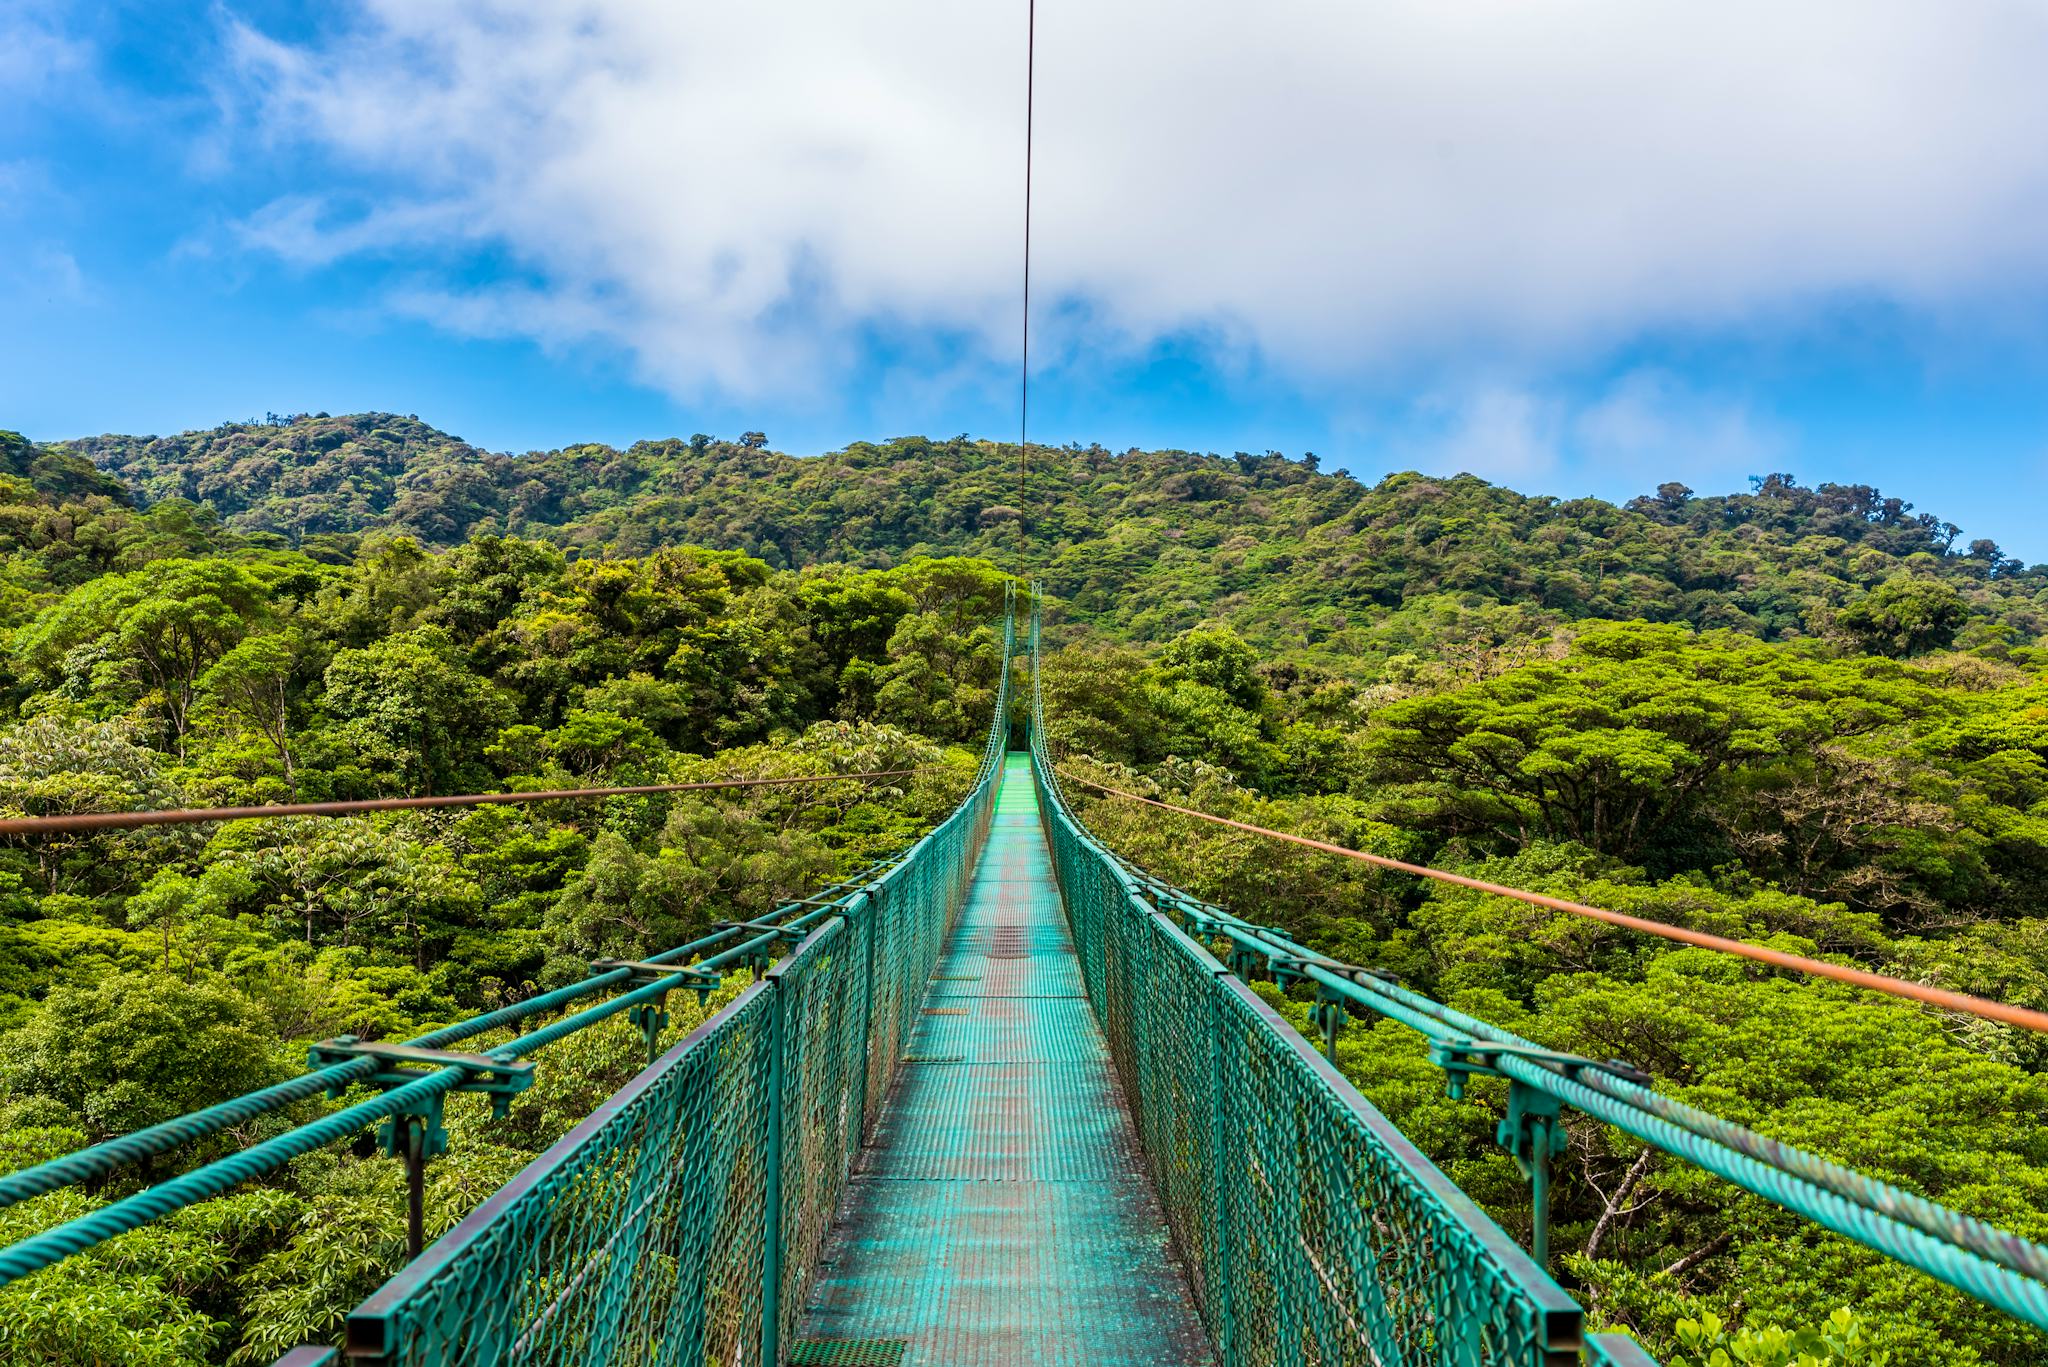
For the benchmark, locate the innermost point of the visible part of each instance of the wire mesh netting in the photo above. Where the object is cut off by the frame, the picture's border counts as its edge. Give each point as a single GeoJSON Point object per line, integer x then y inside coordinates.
{"type": "Point", "coordinates": [1312, 1230]}
{"type": "Point", "coordinates": [681, 1223]}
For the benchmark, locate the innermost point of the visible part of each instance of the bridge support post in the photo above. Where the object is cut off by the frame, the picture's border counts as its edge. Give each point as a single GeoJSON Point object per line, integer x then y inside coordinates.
{"type": "Point", "coordinates": [870, 918]}
{"type": "Point", "coordinates": [1219, 1204]}
{"type": "Point", "coordinates": [771, 1198]}
{"type": "Point", "coordinates": [414, 1137]}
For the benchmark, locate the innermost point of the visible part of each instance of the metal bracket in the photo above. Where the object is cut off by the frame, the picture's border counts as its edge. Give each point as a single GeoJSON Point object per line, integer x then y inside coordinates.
{"type": "Point", "coordinates": [1245, 963]}
{"type": "Point", "coordinates": [1460, 1058]}
{"type": "Point", "coordinates": [1533, 1129]}
{"type": "Point", "coordinates": [645, 972]}
{"type": "Point", "coordinates": [499, 1078]}
{"type": "Point", "coordinates": [416, 1133]}
{"type": "Point", "coordinates": [1328, 1013]}
{"type": "Point", "coordinates": [759, 959]}
{"type": "Point", "coordinates": [1286, 969]}
{"type": "Point", "coordinates": [651, 1018]}
{"type": "Point", "coordinates": [766, 927]}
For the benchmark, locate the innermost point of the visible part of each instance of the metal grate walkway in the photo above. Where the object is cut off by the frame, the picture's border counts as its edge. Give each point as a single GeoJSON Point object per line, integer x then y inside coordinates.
{"type": "Point", "coordinates": [1001, 1215]}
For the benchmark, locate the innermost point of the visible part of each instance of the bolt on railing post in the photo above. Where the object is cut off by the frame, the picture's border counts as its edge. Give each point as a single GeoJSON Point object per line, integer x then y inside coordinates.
{"type": "Point", "coordinates": [771, 1213]}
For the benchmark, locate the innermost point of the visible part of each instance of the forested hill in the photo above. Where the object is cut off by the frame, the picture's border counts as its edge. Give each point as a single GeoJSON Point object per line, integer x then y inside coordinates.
{"type": "Point", "coordinates": [249, 615]}
{"type": "Point", "coordinates": [1148, 543]}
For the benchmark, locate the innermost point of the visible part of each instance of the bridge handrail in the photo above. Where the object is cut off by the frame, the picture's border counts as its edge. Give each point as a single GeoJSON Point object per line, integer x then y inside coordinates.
{"type": "Point", "coordinates": [1303, 1214]}
{"type": "Point", "coordinates": [1969, 1254]}
{"type": "Point", "coordinates": [688, 1212]}
{"type": "Point", "coordinates": [1993, 1265]}
{"type": "Point", "coordinates": [696, 962]}
{"type": "Point", "coordinates": [109, 1156]}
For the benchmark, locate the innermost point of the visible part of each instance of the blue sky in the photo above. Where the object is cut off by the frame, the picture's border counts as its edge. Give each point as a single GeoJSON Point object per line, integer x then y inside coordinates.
{"type": "Point", "coordinates": [1575, 247]}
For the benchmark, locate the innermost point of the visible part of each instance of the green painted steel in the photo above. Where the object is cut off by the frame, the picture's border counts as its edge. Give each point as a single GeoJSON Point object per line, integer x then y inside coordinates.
{"type": "Point", "coordinates": [1616, 1350]}
{"type": "Point", "coordinates": [682, 1222]}
{"type": "Point", "coordinates": [1995, 1266]}
{"type": "Point", "coordinates": [1003, 1214]}
{"type": "Point", "coordinates": [1312, 1229]}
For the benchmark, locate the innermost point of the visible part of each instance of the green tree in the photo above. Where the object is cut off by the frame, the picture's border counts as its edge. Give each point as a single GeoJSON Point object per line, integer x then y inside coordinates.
{"type": "Point", "coordinates": [253, 683]}
{"type": "Point", "coordinates": [1905, 617]}
{"type": "Point", "coordinates": [414, 713]}
{"type": "Point", "coordinates": [54, 765]}
{"type": "Point", "coordinates": [134, 1049]}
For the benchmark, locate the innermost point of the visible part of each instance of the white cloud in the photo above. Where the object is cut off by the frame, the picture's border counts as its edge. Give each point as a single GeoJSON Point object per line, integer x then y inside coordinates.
{"type": "Point", "coordinates": [1650, 423]}
{"type": "Point", "coordinates": [1644, 426]}
{"type": "Point", "coordinates": [35, 51]}
{"type": "Point", "coordinates": [44, 273]}
{"type": "Point", "coordinates": [1501, 434]}
{"type": "Point", "coordinates": [739, 193]}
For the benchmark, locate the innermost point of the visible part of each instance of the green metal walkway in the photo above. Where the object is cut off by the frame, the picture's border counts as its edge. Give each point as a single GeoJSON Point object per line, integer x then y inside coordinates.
{"type": "Point", "coordinates": [1001, 1214]}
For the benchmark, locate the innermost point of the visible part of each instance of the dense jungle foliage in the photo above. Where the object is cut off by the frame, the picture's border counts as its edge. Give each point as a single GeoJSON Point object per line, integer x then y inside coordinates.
{"type": "Point", "coordinates": [1807, 717]}
{"type": "Point", "coordinates": [1885, 811]}
{"type": "Point", "coordinates": [1147, 544]}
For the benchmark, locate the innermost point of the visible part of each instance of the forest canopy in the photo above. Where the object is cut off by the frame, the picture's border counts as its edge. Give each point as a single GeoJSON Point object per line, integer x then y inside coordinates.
{"type": "Point", "coordinates": [1810, 717]}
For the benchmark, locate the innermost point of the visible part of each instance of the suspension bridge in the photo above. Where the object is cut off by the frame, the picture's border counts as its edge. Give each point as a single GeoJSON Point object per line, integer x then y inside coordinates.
{"type": "Point", "coordinates": [1002, 1099]}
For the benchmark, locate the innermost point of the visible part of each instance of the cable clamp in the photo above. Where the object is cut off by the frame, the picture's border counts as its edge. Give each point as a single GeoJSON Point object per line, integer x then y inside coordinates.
{"type": "Point", "coordinates": [645, 972]}
{"type": "Point", "coordinates": [651, 1018]}
{"type": "Point", "coordinates": [767, 927]}
{"type": "Point", "coordinates": [400, 1065]}
{"type": "Point", "coordinates": [1462, 1058]}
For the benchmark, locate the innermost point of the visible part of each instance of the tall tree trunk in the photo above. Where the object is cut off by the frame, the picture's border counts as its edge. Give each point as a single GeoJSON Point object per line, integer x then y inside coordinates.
{"type": "Point", "coordinates": [1612, 1205]}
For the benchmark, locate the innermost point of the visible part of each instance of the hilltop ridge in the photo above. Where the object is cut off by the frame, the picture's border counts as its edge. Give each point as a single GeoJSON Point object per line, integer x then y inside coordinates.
{"type": "Point", "coordinates": [1147, 542]}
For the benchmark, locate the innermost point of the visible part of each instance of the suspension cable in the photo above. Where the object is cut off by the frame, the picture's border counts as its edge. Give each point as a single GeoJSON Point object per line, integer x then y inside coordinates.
{"type": "Point", "coordinates": [1024, 364]}
{"type": "Point", "coordinates": [1856, 977]}
{"type": "Point", "coordinates": [120, 821]}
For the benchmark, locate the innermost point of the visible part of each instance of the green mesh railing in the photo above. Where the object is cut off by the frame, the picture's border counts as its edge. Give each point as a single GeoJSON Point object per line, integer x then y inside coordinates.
{"type": "Point", "coordinates": [682, 1222]}
{"type": "Point", "coordinates": [1312, 1230]}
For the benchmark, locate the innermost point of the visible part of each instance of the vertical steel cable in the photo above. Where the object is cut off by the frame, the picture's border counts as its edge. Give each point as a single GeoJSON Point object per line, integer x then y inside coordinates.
{"type": "Point", "coordinates": [1024, 363]}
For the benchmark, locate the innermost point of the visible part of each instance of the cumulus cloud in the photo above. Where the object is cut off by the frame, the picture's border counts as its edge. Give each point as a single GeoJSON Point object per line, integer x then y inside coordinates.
{"type": "Point", "coordinates": [1501, 433]}
{"type": "Point", "coordinates": [742, 194]}
{"type": "Point", "coordinates": [1645, 425]}
{"type": "Point", "coordinates": [1650, 421]}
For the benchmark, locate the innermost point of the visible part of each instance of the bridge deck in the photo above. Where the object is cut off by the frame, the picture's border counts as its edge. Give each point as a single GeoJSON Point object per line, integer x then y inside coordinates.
{"type": "Point", "coordinates": [1001, 1216]}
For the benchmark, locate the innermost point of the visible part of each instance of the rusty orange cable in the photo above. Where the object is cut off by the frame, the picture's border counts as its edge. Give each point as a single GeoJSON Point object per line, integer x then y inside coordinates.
{"type": "Point", "coordinates": [1875, 982]}
{"type": "Point", "coordinates": [117, 821]}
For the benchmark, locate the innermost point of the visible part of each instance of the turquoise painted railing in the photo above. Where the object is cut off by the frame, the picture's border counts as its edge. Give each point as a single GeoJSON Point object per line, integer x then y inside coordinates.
{"type": "Point", "coordinates": [681, 1223]}
{"type": "Point", "coordinates": [1128, 918]}
{"type": "Point", "coordinates": [1311, 1228]}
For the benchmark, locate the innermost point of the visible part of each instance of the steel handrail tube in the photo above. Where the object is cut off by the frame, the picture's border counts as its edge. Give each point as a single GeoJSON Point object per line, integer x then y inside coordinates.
{"type": "Point", "coordinates": [39, 1251]}
{"type": "Point", "coordinates": [430, 1311]}
{"type": "Point", "coordinates": [1923, 1216]}
{"type": "Point", "coordinates": [99, 1160]}
{"type": "Point", "coordinates": [109, 1156]}
{"type": "Point", "coordinates": [1927, 1217]}
{"type": "Point", "coordinates": [1993, 1265]}
{"type": "Point", "coordinates": [1478, 1281]}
